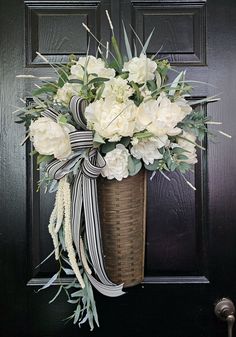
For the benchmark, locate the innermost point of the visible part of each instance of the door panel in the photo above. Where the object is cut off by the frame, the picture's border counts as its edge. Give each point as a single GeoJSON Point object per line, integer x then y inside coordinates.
{"type": "Point", "coordinates": [190, 255]}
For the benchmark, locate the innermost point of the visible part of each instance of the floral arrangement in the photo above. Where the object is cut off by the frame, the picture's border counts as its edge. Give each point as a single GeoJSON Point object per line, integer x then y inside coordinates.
{"type": "Point", "coordinates": [110, 115]}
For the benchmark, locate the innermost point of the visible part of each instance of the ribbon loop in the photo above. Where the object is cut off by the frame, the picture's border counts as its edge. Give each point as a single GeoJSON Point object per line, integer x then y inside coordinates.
{"type": "Point", "coordinates": [81, 139]}
{"type": "Point", "coordinates": [93, 165]}
{"type": "Point", "coordinates": [77, 107]}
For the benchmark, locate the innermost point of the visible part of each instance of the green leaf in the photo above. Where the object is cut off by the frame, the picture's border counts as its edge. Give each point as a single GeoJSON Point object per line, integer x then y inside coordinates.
{"type": "Point", "coordinates": [143, 134]}
{"type": "Point", "coordinates": [100, 91]}
{"type": "Point", "coordinates": [50, 282]}
{"type": "Point", "coordinates": [183, 167]}
{"type": "Point", "coordinates": [117, 51]}
{"type": "Point", "coordinates": [75, 81]}
{"type": "Point", "coordinates": [124, 75]}
{"type": "Point", "coordinates": [98, 80]}
{"type": "Point", "coordinates": [78, 293]}
{"type": "Point", "coordinates": [178, 150]}
{"type": "Point", "coordinates": [77, 314]}
{"type": "Point", "coordinates": [43, 158]}
{"type": "Point", "coordinates": [63, 78]}
{"type": "Point", "coordinates": [109, 146]}
{"type": "Point", "coordinates": [134, 165]}
{"type": "Point", "coordinates": [68, 271]}
{"type": "Point", "coordinates": [152, 167]}
{"type": "Point", "coordinates": [62, 119]}
{"type": "Point", "coordinates": [98, 139]}
{"type": "Point", "coordinates": [57, 294]}
{"type": "Point", "coordinates": [44, 90]}
{"type": "Point", "coordinates": [182, 157]}
{"type": "Point", "coordinates": [125, 141]}
{"type": "Point", "coordinates": [151, 85]}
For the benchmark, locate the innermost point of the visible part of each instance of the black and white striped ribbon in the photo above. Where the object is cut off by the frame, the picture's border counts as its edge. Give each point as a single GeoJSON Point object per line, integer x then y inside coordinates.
{"type": "Point", "coordinates": [77, 107]}
{"type": "Point", "coordinates": [84, 197]}
{"type": "Point", "coordinates": [50, 113]}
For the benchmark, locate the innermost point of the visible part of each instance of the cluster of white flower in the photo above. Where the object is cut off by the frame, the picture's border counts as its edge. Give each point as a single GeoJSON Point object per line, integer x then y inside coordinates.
{"type": "Point", "coordinates": [116, 114]}
{"type": "Point", "coordinates": [50, 138]}
{"type": "Point", "coordinates": [94, 67]}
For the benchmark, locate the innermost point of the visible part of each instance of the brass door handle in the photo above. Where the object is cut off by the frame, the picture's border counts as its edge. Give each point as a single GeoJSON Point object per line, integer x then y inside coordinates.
{"type": "Point", "coordinates": [225, 310]}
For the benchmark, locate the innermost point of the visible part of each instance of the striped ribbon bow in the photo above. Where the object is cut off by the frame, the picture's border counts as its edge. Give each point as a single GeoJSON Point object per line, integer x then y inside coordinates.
{"type": "Point", "coordinates": [84, 195]}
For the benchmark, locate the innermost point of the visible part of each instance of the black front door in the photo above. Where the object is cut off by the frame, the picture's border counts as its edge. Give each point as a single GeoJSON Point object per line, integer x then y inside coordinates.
{"type": "Point", "coordinates": [190, 245]}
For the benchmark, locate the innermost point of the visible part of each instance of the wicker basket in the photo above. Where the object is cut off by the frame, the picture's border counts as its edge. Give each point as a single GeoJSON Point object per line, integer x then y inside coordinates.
{"type": "Point", "coordinates": [123, 216]}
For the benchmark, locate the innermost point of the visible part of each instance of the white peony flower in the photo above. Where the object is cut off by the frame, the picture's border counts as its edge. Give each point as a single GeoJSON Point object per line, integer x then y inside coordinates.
{"type": "Point", "coordinates": [50, 138]}
{"type": "Point", "coordinates": [118, 89]}
{"type": "Point", "coordinates": [161, 116]}
{"type": "Point", "coordinates": [191, 148]}
{"type": "Point", "coordinates": [94, 66]}
{"type": "Point", "coordinates": [65, 93]}
{"type": "Point", "coordinates": [111, 120]}
{"type": "Point", "coordinates": [116, 163]}
{"type": "Point", "coordinates": [147, 150]}
{"type": "Point", "coordinates": [141, 69]}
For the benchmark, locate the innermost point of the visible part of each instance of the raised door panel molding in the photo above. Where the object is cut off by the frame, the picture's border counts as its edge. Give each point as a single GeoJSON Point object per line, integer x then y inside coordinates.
{"type": "Point", "coordinates": [55, 30]}
{"type": "Point", "coordinates": [177, 229]}
{"type": "Point", "coordinates": [180, 30]}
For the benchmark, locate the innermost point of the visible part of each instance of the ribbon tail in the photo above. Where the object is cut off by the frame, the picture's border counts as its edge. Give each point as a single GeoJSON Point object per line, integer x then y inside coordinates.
{"type": "Point", "coordinates": [76, 210]}
{"type": "Point", "coordinates": [93, 232]}
{"type": "Point", "coordinates": [107, 290]}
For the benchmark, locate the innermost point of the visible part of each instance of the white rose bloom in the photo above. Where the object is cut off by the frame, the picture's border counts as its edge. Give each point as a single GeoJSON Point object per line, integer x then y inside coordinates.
{"type": "Point", "coordinates": [147, 150]}
{"type": "Point", "coordinates": [65, 93]}
{"type": "Point", "coordinates": [161, 116]}
{"type": "Point", "coordinates": [111, 120]}
{"type": "Point", "coordinates": [94, 66]}
{"type": "Point", "coordinates": [118, 89]}
{"type": "Point", "coordinates": [116, 163]}
{"type": "Point", "coordinates": [191, 148]}
{"type": "Point", "coordinates": [50, 138]}
{"type": "Point", "coordinates": [141, 69]}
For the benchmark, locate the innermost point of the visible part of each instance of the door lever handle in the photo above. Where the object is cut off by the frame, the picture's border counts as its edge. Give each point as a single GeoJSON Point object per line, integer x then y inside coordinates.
{"type": "Point", "coordinates": [225, 310]}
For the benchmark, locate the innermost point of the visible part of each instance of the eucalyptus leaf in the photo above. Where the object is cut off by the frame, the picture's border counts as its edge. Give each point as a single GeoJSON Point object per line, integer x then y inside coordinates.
{"type": "Point", "coordinates": [134, 165]}
{"type": "Point", "coordinates": [50, 282]}
{"type": "Point", "coordinates": [79, 293]}
{"type": "Point", "coordinates": [125, 141]}
{"type": "Point", "coordinates": [98, 80]}
{"type": "Point", "coordinates": [77, 313]}
{"type": "Point", "coordinates": [68, 271]}
{"type": "Point", "coordinates": [44, 90]}
{"type": "Point", "coordinates": [152, 167]}
{"type": "Point", "coordinates": [76, 81]}
{"type": "Point", "coordinates": [98, 139]}
{"type": "Point", "coordinates": [109, 146]}
{"type": "Point", "coordinates": [57, 294]}
{"type": "Point", "coordinates": [43, 158]}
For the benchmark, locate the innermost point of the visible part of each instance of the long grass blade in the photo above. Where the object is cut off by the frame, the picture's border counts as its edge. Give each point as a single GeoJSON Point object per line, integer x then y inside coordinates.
{"type": "Point", "coordinates": [147, 42]}
{"type": "Point", "coordinates": [127, 44]}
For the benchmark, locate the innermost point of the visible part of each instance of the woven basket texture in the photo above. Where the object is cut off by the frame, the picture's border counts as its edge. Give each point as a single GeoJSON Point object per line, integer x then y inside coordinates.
{"type": "Point", "coordinates": [122, 207]}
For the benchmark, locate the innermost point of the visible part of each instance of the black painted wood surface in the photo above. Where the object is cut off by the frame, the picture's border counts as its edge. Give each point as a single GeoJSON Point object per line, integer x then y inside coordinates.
{"type": "Point", "coordinates": [191, 236]}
